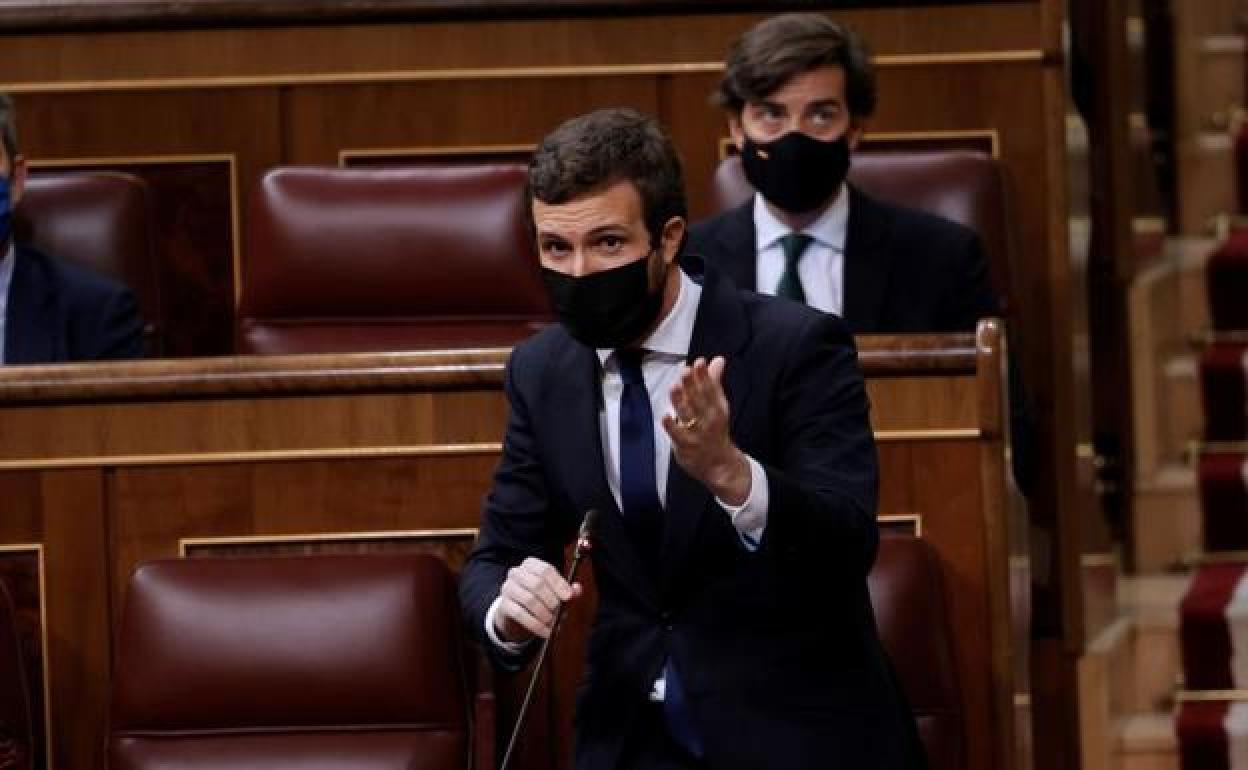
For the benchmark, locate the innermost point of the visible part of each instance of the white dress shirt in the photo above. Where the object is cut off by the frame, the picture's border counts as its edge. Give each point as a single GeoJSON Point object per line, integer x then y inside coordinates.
{"type": "Point", "coordinates": [822, 266]}
{"type": "Point", "coordinates": [6, 280]}
{"type": "Point", "coordinates": [662, 367]}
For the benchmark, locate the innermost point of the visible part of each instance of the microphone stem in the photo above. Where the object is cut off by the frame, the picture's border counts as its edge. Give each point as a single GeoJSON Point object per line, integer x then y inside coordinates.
{"type": "Point", "coordinates": [537, 667]}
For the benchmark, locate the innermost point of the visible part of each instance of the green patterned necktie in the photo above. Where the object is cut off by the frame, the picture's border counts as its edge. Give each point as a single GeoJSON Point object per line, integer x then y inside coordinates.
{"type": "Point", "coordinates": [790, 285]}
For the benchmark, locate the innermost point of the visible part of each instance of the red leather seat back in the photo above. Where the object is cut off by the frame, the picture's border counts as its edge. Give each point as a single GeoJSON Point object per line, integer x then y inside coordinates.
{"type": "Point", "coordinates": [913, 621]}
{"type": "Point", "coordinates": [16, 740]}
{"type": "Point", "coordinates": [102, 221]}
{"type": "Point", "coordinates": [321, 661]}
{"type": "Point", "coordinates": [960, 185]}
{"type": "Point", "coordinates": [345, 260]}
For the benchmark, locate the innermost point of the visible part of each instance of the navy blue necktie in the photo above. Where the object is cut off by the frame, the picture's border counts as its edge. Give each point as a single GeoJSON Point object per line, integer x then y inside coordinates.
{"type": "Point", "coordinates": [639, 493]}
{"type": "Point", "coordinates": [639, 501]}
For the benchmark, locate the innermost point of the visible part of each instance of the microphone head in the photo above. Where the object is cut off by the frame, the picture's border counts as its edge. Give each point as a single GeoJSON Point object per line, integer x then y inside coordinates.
{"type": "Point", "coordinates": [584, 538]}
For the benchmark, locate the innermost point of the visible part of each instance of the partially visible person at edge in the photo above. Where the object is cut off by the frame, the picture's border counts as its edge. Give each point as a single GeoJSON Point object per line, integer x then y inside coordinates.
{"type": "Point", "coordinates": [52, 311]}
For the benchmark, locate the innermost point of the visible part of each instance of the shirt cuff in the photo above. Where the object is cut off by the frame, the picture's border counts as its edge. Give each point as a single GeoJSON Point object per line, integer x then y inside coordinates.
{"type": "Point", "coordinates": [507, 648]}
{"type": "Point", "coordinates": [750, 517]}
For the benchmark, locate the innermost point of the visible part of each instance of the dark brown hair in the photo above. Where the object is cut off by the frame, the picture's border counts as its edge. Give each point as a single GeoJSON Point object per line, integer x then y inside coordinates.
{"type": "Point", "coordinates": [773, 51]}
{"type": "Point", "coordinates": [604, 147]}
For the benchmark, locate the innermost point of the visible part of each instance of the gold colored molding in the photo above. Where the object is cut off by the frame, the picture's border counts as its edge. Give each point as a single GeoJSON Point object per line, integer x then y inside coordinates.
{"type": "Point", "coordinates": [363, 453]}
{"type": "Point", "coordinates": [1022, 700]}
{"type": "Point", "coordinates": [935, 434]}
{"type": "Point", "coordinates": [1210, 696]}
{"type": "Point", "coordinates": [111, 162]}
{"type": "Point", "coordinates": [1099, 560]}
{"type": "Point", "coordinates": [1197, 558]}
{"type": "Point", "coordinates": [431, 152]}
{"type": "Point", "coordinates": [254, 456]}
{"type": "Point", "coordinates": [186, 544]}
{"type": "Point", "coordinates": [1025, 56]}
{"type": "Point", "coordinates": [914, 519]}
{"type": "Point", "coordinates": [1197, 448]}
{"type": "Point", "coordinates": [991, 134]}
{"type": "Point", "coordinates": [725, 146]}
{"type": "Point", "coordinates": [45, 654]}
{"type": "Point", "coordinates": [1207, 337]}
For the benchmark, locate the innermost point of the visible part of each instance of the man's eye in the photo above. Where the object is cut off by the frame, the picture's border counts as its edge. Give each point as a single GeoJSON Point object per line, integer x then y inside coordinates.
{"type": "Point", "coordinates": [554, 248]}
{"type": "Point", "coordinates": [611, 242]}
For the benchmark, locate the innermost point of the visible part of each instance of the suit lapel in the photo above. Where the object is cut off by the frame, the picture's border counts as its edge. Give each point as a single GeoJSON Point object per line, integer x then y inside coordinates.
{"type": "Point", "coordinates": [735, 243]}
{"type": "Point", "coordinates": [577, 395]}
{"type": "Point", "coordinates": [28, 325]}
{"type": "Point", "coordinates": [866, 263]}
{"type": "Point", "coordinates": [721, 329]}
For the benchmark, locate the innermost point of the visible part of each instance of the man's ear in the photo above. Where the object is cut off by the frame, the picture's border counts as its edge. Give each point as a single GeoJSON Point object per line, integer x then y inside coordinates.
{"type": "Point", "coordinates": [856, 129]}
{"type": "Point", "coordinates": [672, 238]}
{"type": "Point", "coordinates": [736, 131]}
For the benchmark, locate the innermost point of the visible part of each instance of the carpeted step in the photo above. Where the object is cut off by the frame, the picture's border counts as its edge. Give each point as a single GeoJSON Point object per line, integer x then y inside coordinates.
{"type": "Point", "coordinates": [1224, 500]}
{"type": "Point", "coordinates": [1227, 277]}
{"type": "Point", "coordinates": [1205, 735]}
{"type": "Point", "coordinates": [1223, 372]}
{"type": "Point", "coordinates": [1213, 627]}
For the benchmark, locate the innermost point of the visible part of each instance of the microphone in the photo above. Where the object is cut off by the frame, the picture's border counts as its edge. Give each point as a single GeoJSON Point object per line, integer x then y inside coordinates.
{"type": "Point", "coordinates": [584, 544]}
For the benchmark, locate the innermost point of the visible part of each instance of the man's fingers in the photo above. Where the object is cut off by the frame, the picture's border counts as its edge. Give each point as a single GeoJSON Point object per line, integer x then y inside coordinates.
{"type": "Point", "coordinates": [533, 604]}
{"type": "Point", "coordinates": [535, 586]}
{"type": "Point", "coordinates": [716, 370]}
{"type": "Point", "coordinates": [520, 615]}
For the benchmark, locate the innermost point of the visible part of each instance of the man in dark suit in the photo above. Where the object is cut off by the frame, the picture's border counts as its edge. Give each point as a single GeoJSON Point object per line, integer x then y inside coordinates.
{"type": "Point", "coordinates": [724, 439]}
{"type": "Point", "coordinates": [798, 89]}
{"type": "Point", "coordinates": [52, 311]}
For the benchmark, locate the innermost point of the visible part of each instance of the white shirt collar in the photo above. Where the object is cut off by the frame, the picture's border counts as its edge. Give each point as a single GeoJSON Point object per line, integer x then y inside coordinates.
{"type": "Point", "coordinates": [829, 229]}
{"type": "Point", "coordinates": [674, 334]}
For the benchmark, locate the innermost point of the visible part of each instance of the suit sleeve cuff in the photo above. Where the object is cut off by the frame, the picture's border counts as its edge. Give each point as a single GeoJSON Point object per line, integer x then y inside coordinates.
{"type": "Point", "coordinates": [750, 518]}
{"type": "Point", "coordinates": [506, 648]}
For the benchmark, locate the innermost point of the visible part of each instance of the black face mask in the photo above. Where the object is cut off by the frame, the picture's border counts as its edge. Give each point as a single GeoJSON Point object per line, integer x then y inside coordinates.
{"type": "Point", "coordinates": [607, 309]}
{"type": "Point", "coordinates": [796, 172]}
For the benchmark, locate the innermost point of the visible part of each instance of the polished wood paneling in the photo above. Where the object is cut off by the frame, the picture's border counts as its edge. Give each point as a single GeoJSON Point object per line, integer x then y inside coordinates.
{"type": "Point", "coordinates": [107, 477]}
{"type": "Point", "coordinates": [37, 61]}
{"type": "Point", "coordinates": [104, 14]}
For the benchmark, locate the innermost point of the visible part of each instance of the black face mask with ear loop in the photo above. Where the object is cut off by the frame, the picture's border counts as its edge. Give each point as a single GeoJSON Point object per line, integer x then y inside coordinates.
{"type": "Point", "coordinates": [608, 309]}
{"type": "Point", "coordinates": [796, 172]}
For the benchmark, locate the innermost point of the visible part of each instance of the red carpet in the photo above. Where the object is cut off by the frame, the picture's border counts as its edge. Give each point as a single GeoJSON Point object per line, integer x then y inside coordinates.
{"type": "Point", "coordinates": [1223, 371]}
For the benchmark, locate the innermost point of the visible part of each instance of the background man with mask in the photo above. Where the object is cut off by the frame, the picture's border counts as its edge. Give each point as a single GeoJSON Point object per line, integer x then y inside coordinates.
{"type": "Point", "coordinates": [723, 438]}
{"type": "Point", "coordinates": [52, 311]}
{"type": "Point", "coordinates": [797, 89]}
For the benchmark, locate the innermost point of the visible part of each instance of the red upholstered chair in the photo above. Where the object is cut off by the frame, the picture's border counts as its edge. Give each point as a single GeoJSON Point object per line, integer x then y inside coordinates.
{"type": "Point", "coordinates": [16, 740]}
{"type": "Point", "coordinates": [345, 662]}
{"type": "Point", "coordinates": [913, 621]}
{"type": "Point", "coordinates": [102, 221]}
{"type": "Point", "coordinates": [345, 260]}
{"type": "Point", "coordinates": [964, 186]}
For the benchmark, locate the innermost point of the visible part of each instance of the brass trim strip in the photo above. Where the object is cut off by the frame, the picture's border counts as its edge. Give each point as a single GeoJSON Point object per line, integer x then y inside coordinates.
{"type": "Point", "coordinates": [1197, 448]}
{"type": "Point", "coordinates": [725, 144]}
{"type": "Point", "coordinates": [1214, 557]}
{"type": "Point", "coordinates": [229, 158]}
{"type": "Point", "coordinates": [1024, 56]}
{"type": "Point", "coordinates": [45, 654]}
{"type": "Point", "coordinates": [1208, 337]}
{"type": "Point", "coordinates": [325, 537]}
{"type": "Point", "coordinates": [431, 151]}
{"type": "Point", "coordinates": [934, 434]}
{"type": "Point", "coordinates": [1099, 560]}
{"type": "Point", "coordinates": [1210, 696]}
{"type": "Point", "coordinates": [913, 518]}
{"type": "Point", "coordinates": [363, 453]}
{"type": "Point", "coordinates": [1022, 700]}
{"type": "Point", "coordinates": [254, 456]}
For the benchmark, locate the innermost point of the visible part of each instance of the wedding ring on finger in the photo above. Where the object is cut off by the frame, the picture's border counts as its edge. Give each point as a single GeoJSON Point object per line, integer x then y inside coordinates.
{"type": "Point", "coordinates": [689, 424]}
